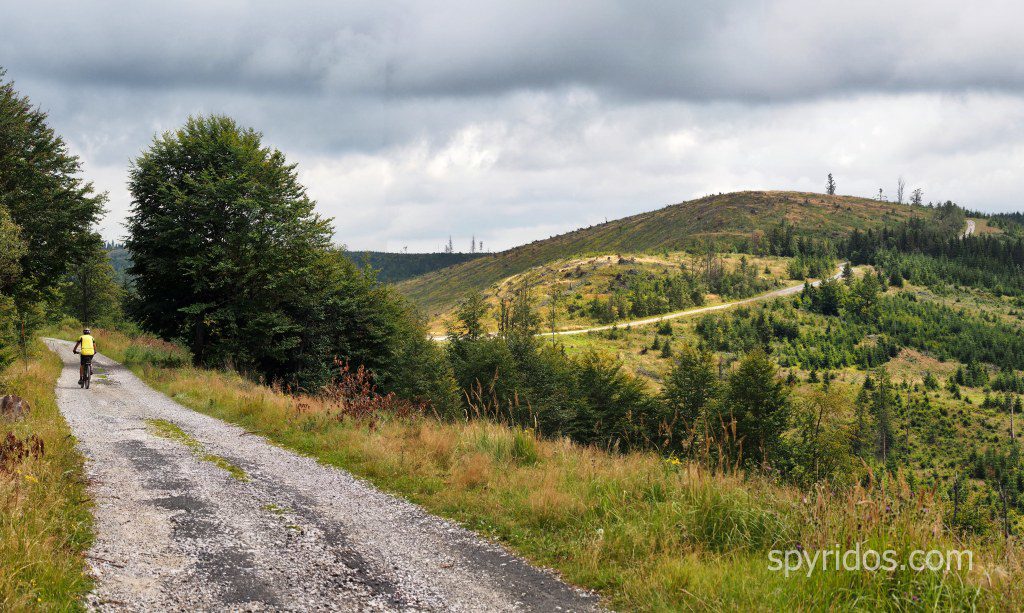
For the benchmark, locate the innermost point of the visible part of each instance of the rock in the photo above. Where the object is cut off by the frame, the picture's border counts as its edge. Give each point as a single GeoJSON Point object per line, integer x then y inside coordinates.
{"type": "Point", "coordinates": [14, 407]}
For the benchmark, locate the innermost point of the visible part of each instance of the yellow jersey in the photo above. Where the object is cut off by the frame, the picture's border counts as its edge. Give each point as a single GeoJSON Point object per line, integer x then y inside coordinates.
{"type": "Point", "coordinates": [88, 344]}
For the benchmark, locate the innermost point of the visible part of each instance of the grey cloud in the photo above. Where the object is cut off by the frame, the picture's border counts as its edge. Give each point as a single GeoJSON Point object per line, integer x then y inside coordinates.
{"type": "Point", "coordinates": [514, 120]}
{"type": "Point", "coordinates": [703, 50]}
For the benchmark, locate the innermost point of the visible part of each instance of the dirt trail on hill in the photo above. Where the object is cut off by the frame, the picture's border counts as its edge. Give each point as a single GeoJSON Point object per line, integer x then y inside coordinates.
{"type": "Point", "coordinates": [970, 229]}
{"type": "Point", "coordinates": [212, 518]}
{"type": "Point", "coordinates": [635, 323]}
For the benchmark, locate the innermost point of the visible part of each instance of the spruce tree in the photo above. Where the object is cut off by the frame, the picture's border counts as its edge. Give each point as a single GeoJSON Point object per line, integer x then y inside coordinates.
{"type": "Point", "coordinates": [691, 387]}
{"type": "Point", "coordinates": [758, 400]}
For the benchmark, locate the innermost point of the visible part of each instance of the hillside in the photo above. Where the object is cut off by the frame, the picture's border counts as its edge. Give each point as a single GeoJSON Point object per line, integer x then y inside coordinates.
{"type": "Point", "coordinates": [727, 221]}
{"type": "Point", "coordinates": [395, 267]}
{"type": "Point", "coordinates": [120, 260]}
{"type": "Point", "coordinates": [594, 290]}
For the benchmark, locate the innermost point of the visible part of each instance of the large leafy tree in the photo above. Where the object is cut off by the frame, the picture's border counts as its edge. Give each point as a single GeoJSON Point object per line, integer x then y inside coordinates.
{"type": "Point", "coordinates": [52, 206]}
{"type": "Point", "coordinates": [224, 243]}
{"type": "Point", "coordinates": [47, 213]}
{"type": "Point", "coordinates": [229, 256]}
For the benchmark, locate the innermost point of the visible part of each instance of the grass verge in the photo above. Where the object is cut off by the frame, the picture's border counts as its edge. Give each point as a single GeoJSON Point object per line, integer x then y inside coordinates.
{"type": "Point", "coordinates": [648, 533]}
{"type": "Point", "coordinates": [45, 524]}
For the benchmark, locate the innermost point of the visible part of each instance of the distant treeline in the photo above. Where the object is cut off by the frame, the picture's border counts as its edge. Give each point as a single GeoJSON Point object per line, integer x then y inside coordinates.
{"type": "Point", "coordinates": [934, 252]}
{"type": "Point", "coordinates": [395, 267]}
{"type": "Point", "coordinates": [119, 258]}
{"type": "Point", "coordinates": [390, 267]}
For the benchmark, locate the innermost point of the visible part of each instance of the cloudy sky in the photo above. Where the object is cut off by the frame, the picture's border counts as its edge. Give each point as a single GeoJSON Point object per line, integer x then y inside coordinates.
{"type": "Point", "coordinates": [512, 121]}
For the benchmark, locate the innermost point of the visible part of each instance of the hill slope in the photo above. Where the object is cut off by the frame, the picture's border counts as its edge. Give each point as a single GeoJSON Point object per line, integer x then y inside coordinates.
{"type": "Point", "coordinates": [728, 221]}
{"type": "Point", "coordinates": [395, 267]}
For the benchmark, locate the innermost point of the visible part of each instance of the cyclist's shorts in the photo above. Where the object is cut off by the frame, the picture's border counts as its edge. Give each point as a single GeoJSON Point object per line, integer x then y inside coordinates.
{"type": "Point", "coordinates": [86, 359]}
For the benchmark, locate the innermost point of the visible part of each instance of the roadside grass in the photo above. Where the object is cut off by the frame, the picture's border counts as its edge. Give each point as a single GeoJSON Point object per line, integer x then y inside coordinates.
{"type": "Point", "coordinates": [648, 533]}
{"type": "Point", "coordinates": [45, 522]}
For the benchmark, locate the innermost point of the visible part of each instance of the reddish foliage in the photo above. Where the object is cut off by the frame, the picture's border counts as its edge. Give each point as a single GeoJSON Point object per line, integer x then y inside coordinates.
{"type": "Point", "coordinates": [354, 396]}
{"type": "Point", "coordinates": [14, 450]}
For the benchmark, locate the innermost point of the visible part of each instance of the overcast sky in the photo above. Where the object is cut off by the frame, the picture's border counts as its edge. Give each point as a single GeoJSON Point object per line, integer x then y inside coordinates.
{"type": "Point", "coordinates": [513, 121]}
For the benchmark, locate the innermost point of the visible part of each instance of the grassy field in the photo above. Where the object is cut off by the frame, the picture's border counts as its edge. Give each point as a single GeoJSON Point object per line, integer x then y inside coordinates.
{"type": "Point", "coordinates": [45, 525]}
{"type": "Point", "coordinates": [725, 220]}
{"type": "Point", "coordinates": [649, 533]}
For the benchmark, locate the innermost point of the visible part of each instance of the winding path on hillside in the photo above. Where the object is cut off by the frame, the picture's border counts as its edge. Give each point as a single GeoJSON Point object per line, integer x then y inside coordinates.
{"type": "Point", "coordinates": [175, 530]}
{"type": "Point", "coordinates": [970, 228]}
{"type": "Point", "coordinates": [636, 323]}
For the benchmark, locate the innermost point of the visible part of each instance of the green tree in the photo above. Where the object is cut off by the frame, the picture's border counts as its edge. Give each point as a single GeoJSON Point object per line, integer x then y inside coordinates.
{"type": "Point", "coordinates": [224, 243]}
{"type": "Point", "coordinates": [53, 207]}
{"type": "Point", "coordinates": [828, 297]}
{"type": "Point", "coordinates": [92, 294]}
{"type": "Point", "coordinates": [229, 255]}
{"type": "Point", "coordinates": [861, 437]}
{"type": "Point", "coordinates": [883, 408]}
{"type": "Point", "coordinates": [618, 412]}
{"type": "Point", "coordinates": [470, 314]}
{"type": "Point", "coordinates": [46, 213]}
{"type": "Point", "coordinates": [12, 249]}
{"type": "Point", "coordinates": [758, 400]}
{"type": "Point", "coordinates": [864, 295]}
{"type": "Point", "coordinates": [690, 389]}
{"type": "Point", "coordinates": [822, 447]}
{"type": "Point", "coordinates": [666, 349]}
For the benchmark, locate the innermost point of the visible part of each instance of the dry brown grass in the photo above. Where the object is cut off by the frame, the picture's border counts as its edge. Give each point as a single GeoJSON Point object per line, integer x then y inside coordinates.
{"type": "Point", "coordinates": [912, 366]}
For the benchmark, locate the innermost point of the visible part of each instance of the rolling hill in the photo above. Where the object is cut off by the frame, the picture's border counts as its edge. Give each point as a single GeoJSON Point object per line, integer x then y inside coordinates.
{"type": "Point", "coordinates": [395, 267]}
{"type": "Point", "coordinates": [727, 221]}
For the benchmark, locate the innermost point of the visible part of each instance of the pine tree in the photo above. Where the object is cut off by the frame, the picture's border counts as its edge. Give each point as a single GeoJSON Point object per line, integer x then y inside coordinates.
{"type": "Point", "coordinates": [758, 400]}
{"type": "Point", "coordinates": [883, 407]}
{"type": "Point", "coordinates": [91, 293]}
{"type": "Point", "coordinates": [861, 438]}
{"type": "Point", "coordinates": [690, 388]}
{"type": "Point", "coordinates": [470, 314]}
{"type": "Point", "coordinates": [830, 187]}
{"type": "Point", "coordinates": [666, 349]}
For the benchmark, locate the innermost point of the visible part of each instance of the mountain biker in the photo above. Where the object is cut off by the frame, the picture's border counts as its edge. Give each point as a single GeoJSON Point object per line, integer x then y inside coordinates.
{"type": "Point", "coordinates": [88, 346]}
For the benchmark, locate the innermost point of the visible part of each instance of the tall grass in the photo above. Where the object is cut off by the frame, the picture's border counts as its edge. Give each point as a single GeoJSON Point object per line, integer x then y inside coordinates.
{"type": "Point", "coordinates": [648, 533]}
{"type": "Point", "coordinates": [45, 526]}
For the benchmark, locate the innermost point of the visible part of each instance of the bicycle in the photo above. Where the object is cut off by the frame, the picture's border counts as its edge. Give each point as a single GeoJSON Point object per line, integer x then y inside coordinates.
{"type": "Point", "coordinates": [85, 374]}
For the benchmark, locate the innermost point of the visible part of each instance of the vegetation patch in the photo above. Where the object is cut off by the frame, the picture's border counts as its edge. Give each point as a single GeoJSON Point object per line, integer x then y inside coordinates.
{"type": "Point", "coordinates": [45, 525]}
{"type": "Point", "coordinates": [170, 430]}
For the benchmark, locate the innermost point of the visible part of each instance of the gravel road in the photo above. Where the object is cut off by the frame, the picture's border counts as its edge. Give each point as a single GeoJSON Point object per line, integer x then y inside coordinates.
{"type": "Point", "coordinates": [175, 530]}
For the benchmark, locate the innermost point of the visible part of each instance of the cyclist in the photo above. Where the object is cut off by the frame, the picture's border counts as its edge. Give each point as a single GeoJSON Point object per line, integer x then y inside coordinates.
{"type": "Point", "coordinates": [88, 346]}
